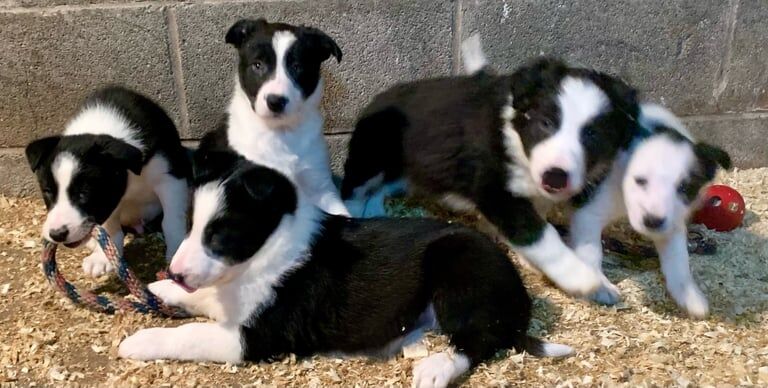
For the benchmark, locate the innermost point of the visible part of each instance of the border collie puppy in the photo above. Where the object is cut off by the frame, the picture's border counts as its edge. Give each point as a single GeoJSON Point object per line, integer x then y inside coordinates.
{"type": "Point", "coordinates": [658, 186]}
{"type": "Point", "coordinates": [298, 280]}
{"type": "Point", "coordinates": [274, 115]}
{"type": "Point", "coordinates": [118, 163]}
{"type": "Point", "coordinates": [497, 144]}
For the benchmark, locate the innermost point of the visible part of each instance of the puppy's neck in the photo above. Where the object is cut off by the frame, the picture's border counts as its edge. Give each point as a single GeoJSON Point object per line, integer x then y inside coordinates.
{"type": "Point", "coordinates": [249, 292]}
{"type": "Point", "coordinates": [263, 141]}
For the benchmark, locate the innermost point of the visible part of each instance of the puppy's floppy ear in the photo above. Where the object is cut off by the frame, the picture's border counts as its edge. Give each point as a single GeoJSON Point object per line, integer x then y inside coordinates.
{"type": "Point", "coordinates": [242, 29]}
{"type": "Point", "coordinates": [39, 150]}
{"type": "Point", "coordinates": [711, 157]}
{"type": "Point", "coordinates": [324, 44]}
{"type": "Point", "coordinates": [623, 94]}
{"type": "Point", "coordinates": [266, 183]}
{"type": "Point", "coordinates": [529, 79]}
{"type": "Point", "coordinates": [208, 165]}
{"type": "Point", "coordinates": [124, 154]}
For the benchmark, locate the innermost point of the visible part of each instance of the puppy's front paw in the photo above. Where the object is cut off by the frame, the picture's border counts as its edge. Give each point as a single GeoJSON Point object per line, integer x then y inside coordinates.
{"type": "Point", "coordinates": [144, 345]}
{"type": "Point", "coordinates": [577, 278]}
{"type": "Point", "coordinates": [97, 264]}
{"type": "Point", "coordinates": [438, 370]}
{"type": "Point", "coordinates": [693, 301]}
{"type": "Point", "coordinates": [608, 294]}
{"type": "Point", "coordinates": [168, 291]}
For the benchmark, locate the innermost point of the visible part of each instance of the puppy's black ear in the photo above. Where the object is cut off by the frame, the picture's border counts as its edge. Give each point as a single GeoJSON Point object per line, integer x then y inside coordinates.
{"type": "Point", "coordinates": [264, 183]}
{"type": "Point", "coordinates": [624, 95]}
{"type": "Point", "coordinates": [124, 154]}
{"type": "Point", "coordinates": [242, 29]}
{"type": "Point", "coordinates": [208, 165]}
{"type": "Point", "coordinates": [323, 43]}
{"type": "Point", "coordinates": [711, 157]}
{"type": "Point", "coordinates": [538, 75]}
{"type": "Point", "coordinates": [39, 150]}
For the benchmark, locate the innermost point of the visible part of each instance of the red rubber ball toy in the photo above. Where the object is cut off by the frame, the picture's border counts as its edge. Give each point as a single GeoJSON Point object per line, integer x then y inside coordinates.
{"type": "Point", "coordinates": [722, 209]}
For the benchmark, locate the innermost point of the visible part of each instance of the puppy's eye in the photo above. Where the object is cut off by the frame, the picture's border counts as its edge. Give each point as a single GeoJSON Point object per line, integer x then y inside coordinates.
{"type": "Point", "coordinates": [640, 181]}
{"type": "Point", "coordinates": [258, 67]}
{"type": "Point", "coordinates": [48, 192]}
{"type": "Point", "coordinates": [83, 195]}
{"type": "Point", "coordinates": [589, 132]}
{"type": "Point", "coordinates": [684, 187]}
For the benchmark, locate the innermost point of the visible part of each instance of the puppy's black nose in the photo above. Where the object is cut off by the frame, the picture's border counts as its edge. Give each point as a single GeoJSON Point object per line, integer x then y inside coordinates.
{"type": "Point", "coordinates": [554, 179]}
{"type": "Point", "coordinates": [652, 222]}
{"type": "Point", "coordinates": [60, 234]}
{"type": "Point", "coordinates": [276, 103]}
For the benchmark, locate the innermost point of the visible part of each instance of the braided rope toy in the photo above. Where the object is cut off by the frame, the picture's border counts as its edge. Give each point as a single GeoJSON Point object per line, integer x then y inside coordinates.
{"type": "Point", "coordinates": [147, 301]}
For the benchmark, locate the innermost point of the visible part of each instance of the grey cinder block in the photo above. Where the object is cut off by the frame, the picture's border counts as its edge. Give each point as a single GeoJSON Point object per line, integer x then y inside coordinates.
{"type": "Point", "coordinates": [51, 61]}
{"type": "Point", "coordinates": [745, 86]}
{"type": "Point", "coordinates": [669, 49]}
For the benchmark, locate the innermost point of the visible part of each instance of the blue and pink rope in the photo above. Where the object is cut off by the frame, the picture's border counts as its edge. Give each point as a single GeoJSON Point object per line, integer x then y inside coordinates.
{"type": "Point", "coordinates": [147, 301]}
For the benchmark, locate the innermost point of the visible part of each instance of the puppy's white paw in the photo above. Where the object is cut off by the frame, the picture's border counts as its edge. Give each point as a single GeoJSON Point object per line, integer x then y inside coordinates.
{"type": "Point", "coordinates": [693, 301]}
{"type": "Point", "coordinates": [168, 291]}
{"type": "Point", "coordinates": [577, 278]}
{"type": "Point", "coordinates": [608, 294]}
{"type": "Point", "coordinates": [144, 345]}
{"type": "Point", "coordinates": [438, 370]}
{"type": "Point", "coordinates": [97, 264]}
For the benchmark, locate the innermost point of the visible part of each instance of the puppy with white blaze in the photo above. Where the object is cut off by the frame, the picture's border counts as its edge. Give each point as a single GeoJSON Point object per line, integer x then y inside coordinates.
{"type": "Point", "coordinates": [657, 186]}
{"type": "Point", "coordinates": [274, 115]}
{"type": "Point", "coordinates": [119, 163]}
{"type": "Point", "coordinates": [295, 279]}
{"type": "Point", "coordinates": [495, 144]}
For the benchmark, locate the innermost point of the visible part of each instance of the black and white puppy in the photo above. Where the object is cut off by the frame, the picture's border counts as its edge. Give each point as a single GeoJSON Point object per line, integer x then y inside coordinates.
{"type": "Point", "coordinates": [118, 163]}
{"type": "Point", "coordinates": [497, 143]}
{"type": "Point", "coordinates": [657, 185]}
{"type": "Point", "coordinates": [274, 116]}
{"type": "Point", "coordinates": [294, 279]}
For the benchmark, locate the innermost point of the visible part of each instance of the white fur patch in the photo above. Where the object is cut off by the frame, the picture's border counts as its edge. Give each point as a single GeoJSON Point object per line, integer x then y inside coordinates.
{"type": "Point", "coordinates": [580, 101]}
{"type": "Point", "coordinates": [190, 342]}
{"type": "Point", "coordinates": [64, 214]}
{"type": "Point", "coordinates": [438, 370]}
{"type": "Point", "coordinates": [557, 350]}
{"type": "Point", "coordinates": [673, 253]}
{"type": "Point", "coordinates": [587, 223]}
{"type": "Point", "coordinates": [472, 54]}
{"type": "Point", "coordinates": [520, 181]}
{"type": "Point", "coordinates": [100, 119]}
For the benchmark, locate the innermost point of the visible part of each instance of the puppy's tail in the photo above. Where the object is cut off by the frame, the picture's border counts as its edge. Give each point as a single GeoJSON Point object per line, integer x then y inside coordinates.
{"type": "Point", "coordinates": [472, 54]}
{"type": "Point", "coordinates": [539, 348]}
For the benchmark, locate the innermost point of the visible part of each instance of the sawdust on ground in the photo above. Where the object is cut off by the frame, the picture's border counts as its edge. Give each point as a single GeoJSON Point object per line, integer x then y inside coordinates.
{"type": "Point", "coordinates": [644, 341]}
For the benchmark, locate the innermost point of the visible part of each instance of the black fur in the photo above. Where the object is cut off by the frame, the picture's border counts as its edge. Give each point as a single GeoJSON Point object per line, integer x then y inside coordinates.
{"type": "Point", "coordinates": [366, 283]}
{"type": "Point", "coordinates": [444, 136]}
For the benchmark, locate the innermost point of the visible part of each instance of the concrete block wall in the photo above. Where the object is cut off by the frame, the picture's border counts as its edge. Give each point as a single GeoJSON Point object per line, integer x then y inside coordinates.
{"type": "Point", "coordinates": [706, 59]}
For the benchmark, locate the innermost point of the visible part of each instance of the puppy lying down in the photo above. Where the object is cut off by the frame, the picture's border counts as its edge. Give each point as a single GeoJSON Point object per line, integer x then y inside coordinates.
{"type": "Point", "coordinates": [280, 276]}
